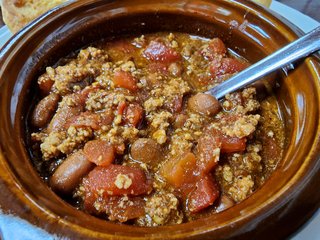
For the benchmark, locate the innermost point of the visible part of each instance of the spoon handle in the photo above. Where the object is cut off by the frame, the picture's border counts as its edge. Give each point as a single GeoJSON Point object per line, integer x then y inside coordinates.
{"type": "Point", "coordinates": [300, 48]}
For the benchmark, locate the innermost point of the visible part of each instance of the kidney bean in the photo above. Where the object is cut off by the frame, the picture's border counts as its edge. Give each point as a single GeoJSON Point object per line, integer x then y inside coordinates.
{"type": "Point", "coordinates": [204, 104]}
{"type": "Point", "coordinates": [146, 150]}
{"type": "Point", "coordinates": [68, 175]}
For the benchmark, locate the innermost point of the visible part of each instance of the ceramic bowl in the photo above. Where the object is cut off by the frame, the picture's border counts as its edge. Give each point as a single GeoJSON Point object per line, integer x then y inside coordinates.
{"type": "Point", "coordinates": [276, 210]}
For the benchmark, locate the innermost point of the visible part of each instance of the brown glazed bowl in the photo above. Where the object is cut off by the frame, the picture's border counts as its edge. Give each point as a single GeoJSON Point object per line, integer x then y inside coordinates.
{"type": "Point", "coordinates": [286, 201]}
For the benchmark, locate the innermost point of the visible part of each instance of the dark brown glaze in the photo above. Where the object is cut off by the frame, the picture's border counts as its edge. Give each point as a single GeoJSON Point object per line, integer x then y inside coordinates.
{"type": "Point", "coordinates": [273, 211]}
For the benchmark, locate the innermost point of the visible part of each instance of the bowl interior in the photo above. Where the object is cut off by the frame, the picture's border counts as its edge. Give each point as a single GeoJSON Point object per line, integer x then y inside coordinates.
{"type": "Point", "coordinates": [246, 28]}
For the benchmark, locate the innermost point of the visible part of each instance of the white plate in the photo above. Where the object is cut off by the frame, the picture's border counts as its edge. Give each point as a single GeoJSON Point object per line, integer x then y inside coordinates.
{"type": "Point", "coordinates": [4, 35]}
{"type": "Point", "coordinates": [310, 231]}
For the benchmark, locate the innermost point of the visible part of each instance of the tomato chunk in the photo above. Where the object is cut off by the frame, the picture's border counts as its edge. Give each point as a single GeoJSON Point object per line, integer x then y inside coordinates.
{"type": "Point", "coordinates": [99, 152]}
{"type": "Point", "coordinates": [121, 107]}
{"type": "Point", "coordinates": [215, 47]}
{"type": "Point", "coordinates": [208, 149]}
{"type": "Point", "coordinates": [158, 67]}
{"type": "Point", "coordinates": [227, 144]}
{"type": "Point", "coordinates": [180, 170]}
{"type": "Point", "coordinates": [159, 52]}
{"type": "Point", "coordinates": [231, 65]}
{"type": "Point", "coordinates": [125, 80]}
{"type": "Point", "coordinates": [226, 66]}
{"type": "Point", "coordinates": [204, 194]}
{"type": "Point", "coordinates": [86, 91]}
{"type": "Point", "coordinates": [133, 114]}
{"type": "Point", "coordinates": [116, 180]}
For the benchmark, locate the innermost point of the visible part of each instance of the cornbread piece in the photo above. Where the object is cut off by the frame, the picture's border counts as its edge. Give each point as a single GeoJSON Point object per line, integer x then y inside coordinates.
{"type": "Point", "coordinates": [18, 13]}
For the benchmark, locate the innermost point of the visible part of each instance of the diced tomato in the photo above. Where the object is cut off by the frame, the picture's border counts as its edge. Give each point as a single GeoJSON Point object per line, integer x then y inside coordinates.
{"type": "Point", "coordinates": [215, 64]}
{"type": "Point", "coordinates": [121, 107]}
{"type": "Point", "coordinates": [158, 67]}
{"type": "Point", "coordinates": [208, 149]}
{"type": "Point", "coordinates": [232, 144]}
{"type": "Point", "coordinates": [99, 152]}
{"type": "Point", "coordinates": [45, 85]}
{"type": "Point", "coordinates": [125, 80]}
{"type": "Point", "coordinates": [204, 194]}
{"type": "Point", "coordinates": [214, 69]}
{"type": "Point", "coordinates": [133, 114]}
{"type": "Point", "coordinates": [86, 91]}
{"type": "Point", "coordinates": [231, 65]}
{"type": "Point", "coordinates": [226, 66]}
{"type": "Point", "coordinates": [159, 52]}
{"type": "Point", "coordinates": [180, 171]}
{"type": "Point", "coordinates": [116, 180]}
{"type": "Point", "coordinates": [89, 119]}
{"type": "Point", "coordinates": [227, 144]}
{"type": "Point", "coordinates": [191, 183]}
{"type": "Point", "coordinates": [215, 47]}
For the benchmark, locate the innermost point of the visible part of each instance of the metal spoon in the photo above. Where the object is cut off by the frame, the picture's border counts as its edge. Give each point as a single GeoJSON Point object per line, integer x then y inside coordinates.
{"type": "Point", "coordinates": [298, 49]}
